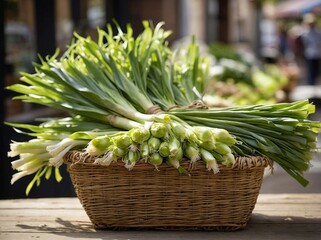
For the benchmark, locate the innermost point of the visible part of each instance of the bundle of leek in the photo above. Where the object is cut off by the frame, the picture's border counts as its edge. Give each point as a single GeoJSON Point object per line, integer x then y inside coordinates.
{"type": "Point", "coordinates": [134, 99]}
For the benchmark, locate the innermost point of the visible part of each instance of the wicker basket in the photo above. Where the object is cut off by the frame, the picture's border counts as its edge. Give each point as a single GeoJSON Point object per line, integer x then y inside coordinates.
{"type": "Point", "coordinates": [115, 198]}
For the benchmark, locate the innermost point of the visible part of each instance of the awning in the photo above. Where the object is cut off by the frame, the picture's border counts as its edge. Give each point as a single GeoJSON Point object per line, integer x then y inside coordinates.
{"type": "Point", "coordinates": [297, 8]}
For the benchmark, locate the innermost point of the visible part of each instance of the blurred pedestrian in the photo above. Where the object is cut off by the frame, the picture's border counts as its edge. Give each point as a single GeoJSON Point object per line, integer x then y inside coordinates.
{"type": "Point", "coordinates": [311, 39]}
{"type": "Point", "coordinates": [283, 41]}
{"type": "Point", "coordinates": [295, 42]}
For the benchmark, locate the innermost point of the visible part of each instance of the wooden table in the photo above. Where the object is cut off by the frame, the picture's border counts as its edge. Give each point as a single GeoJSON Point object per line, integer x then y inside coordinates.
{"type": "Point", "coordinates": [276, 216]}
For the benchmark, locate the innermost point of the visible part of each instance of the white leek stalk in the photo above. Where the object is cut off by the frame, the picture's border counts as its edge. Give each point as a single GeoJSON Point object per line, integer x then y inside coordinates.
{"type": "Point", "coordinates": [59, 150]}
{"type": "Point", "coordinates": [210, 161]}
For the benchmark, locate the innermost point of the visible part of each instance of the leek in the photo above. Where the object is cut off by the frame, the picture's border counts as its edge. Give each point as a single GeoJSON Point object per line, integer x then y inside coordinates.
{"type": "Point", "coordinates": [209, 160]}
{"type": "Point", "coordinates": [136, 99]}
{"type": "Point", "coordinates": [164, 149]}
{"type": "Point", "coordinates": [153, 144]}
{"type": "Point", "coordinates": [155, 159]}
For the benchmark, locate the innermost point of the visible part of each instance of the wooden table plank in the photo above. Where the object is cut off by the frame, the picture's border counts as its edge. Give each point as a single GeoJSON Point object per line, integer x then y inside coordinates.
{"type": "Point", "coordinates": [41, 203]}
{"type": "Point", "coordinates": [276, 216]}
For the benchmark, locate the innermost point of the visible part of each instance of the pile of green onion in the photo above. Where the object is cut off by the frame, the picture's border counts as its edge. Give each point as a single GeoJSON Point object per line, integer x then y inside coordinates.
{"type": "Point", "coordinates": [133, 99]}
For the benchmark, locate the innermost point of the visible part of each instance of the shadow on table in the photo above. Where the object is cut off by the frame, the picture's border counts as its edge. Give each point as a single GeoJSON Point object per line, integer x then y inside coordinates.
{"type": "Point", "coordinates": [66, 226]}
{"type": "Point", "coordinates": [264, 226]}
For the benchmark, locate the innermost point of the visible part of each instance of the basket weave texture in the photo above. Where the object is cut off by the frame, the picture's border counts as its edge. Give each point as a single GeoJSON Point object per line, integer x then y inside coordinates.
{"type": "Point", "coordinates": [115, 198]}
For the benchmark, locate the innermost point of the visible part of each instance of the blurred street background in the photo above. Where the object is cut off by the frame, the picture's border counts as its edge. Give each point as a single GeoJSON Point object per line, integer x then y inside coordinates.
{"type": "Point", "coordinates": [255, 47]}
